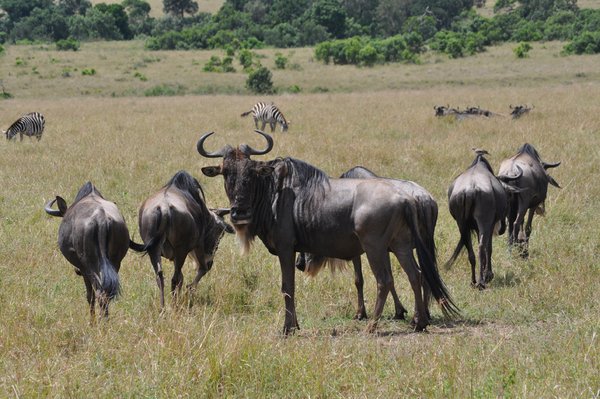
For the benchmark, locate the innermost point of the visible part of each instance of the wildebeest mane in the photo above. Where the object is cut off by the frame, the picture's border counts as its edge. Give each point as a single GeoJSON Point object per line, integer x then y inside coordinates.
{"type": "Point", "coordinates": [308, 182]}
{"type": "Point", "coordinates": [86, 190]}
{"type": "Point", "coordinates": [185, 182]}
{"type": "Point", "coordinates": [530, 150]}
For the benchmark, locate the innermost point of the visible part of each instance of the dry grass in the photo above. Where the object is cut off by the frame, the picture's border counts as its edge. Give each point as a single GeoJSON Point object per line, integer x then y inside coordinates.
{"type": "Point", "coordinates": [534, 333]}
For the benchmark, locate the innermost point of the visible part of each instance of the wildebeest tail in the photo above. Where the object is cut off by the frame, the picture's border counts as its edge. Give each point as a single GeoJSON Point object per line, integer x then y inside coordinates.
{"type": "Point", "coordinates": [109, 279]}
{"type": "Point", "coordinates": [246, 113]}
{"type": "Point", "coordinates": [463, 227]}
{"type": "Point", "coordinates": [429, 269]}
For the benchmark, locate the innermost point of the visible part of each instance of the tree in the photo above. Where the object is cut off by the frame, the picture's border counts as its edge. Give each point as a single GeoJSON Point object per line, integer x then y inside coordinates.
{"type": "Point", "coordinates": [259, 81]}
{"type": "Point", "coordinates": [390, 15]}
{"type": "Point", "coordinates": [74, 7]}
{"type": "Point", "coordinates": [17, 9]}
{"type": "Point", "coordinates": [118, 13]}
{"type": "Point", "coordinates": [331, 15]}
{"type": "Point", "coordinates": [180, 7]}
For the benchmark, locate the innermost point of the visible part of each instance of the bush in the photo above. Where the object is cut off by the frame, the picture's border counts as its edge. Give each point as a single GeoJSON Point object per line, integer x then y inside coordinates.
{"type": "Point", "coordinates": [280, 61]}
{"type": "Point", "coordinates": [215, 64]}
{"type": "Point", "coordinates": [259, 81]}
{"type": "Point", "coordinates": [522, 50]}
{"type": "Point", "coordinates": [88, 71]}
{"type": "Point", "coordinates": [246, 59]}
{"type": "Point", "coordinates": [368, 56]}
{"type": "Point", "coordinates": [67, 44]}
{"type": "Point", "coordinates": [585, 43]}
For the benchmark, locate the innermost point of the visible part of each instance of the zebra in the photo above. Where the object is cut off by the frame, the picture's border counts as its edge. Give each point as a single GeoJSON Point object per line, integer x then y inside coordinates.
{"type": "Point", "coordinates": [31, 124]}
{"type": "Point", "coordinates": [268, 113]}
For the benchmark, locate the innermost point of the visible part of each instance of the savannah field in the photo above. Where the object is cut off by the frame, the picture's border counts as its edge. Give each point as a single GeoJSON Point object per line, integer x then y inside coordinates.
{"type": "Point", "coordinates": [532, 334]}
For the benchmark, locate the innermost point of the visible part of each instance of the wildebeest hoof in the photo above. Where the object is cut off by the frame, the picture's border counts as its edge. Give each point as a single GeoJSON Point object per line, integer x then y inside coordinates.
{"type": "Point", "coordinates": [480, 286]}
{"type": "Point", "coordinates": [360, 315]}
{"type": "Point", "coordinates": [489, 277]}
{"type": "Point", "coordinates": [400, 315]}
{"type": "Point", "coordinates": [421, 328]}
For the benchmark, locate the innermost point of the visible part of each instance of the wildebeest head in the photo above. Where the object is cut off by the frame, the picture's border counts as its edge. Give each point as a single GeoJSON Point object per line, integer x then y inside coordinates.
{"type": "Point", "coordinates": [240, 174]}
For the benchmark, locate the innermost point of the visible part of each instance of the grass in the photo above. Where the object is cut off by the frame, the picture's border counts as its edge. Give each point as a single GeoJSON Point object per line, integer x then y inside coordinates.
{"type": "Point", "coordinates": [533, 333]}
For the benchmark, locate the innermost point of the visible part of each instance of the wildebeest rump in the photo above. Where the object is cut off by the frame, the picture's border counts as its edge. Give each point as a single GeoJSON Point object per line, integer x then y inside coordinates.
{"type": "Point", "coordinates": [427, 214]}
{"type": "Point", "coordinates": [94, 238]}
{"type": "Point", "coordinates": [175, 222]}
{"type": "Point", "coordinates": [532, 189]}
{"type": "Point", "coordinates": [292, 206]}
{"type": "Point", "coordinates": [478, 202]}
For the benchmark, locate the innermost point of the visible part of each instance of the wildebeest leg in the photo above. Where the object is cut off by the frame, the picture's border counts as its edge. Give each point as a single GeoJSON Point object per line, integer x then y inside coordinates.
{"type": "Point", "coordinates": [519, 234]}
{"type": "Point", "coordinates": [512, 217]}
{"type": "Point", "coordinates": [525, 252]}
{"type": "Point", "coordinates": [200, 272]}
{"type": "Point", "coordinates": [471, 255]}
{"type": "Point", "coordinates": [361, 312]}
{"type": "Point", "coordinates": [379, 261]}
{"type": "Point", "coordinates": [489, 274]}
{"type": "Point", "coordinates": [485, 271]}
{"type": "Point", "coordinates": [155, 259]}
{"type": "Point", "coordinates": [91, 298]}
{"type": "Point", "coordinates": [177, 280]}
{"type": "Point", "coordinates": [410, 267]}
{"type": "Point", "coordinates": [103, 303]}
{"type": "Point", "coordinates": [288, 282]}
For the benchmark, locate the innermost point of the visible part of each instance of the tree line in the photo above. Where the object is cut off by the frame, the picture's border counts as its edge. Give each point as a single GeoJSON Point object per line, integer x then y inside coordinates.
{"type": "Point", "coordinates": [380, 30]}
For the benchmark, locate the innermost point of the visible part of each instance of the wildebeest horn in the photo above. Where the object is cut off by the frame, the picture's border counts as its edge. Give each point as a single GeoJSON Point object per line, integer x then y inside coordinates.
{"type": "Point", "coordinates": [221, 211]}
{"type": "Point", "coordinates": [251, 151]}
{"type": "Point", "coordinates": [550, 165]}
{"type": "Point", "coordinates": [202, 151]}
{"type": "Point", "coordinates": [506, 178]}
{"type": "Point", "coordinates": [50, 211]}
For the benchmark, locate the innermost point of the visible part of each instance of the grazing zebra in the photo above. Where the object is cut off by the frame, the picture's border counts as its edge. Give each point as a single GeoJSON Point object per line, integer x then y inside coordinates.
{"type": "Point", "coordinates": [268, 113]}
{"type": "Point", "coordinates": [31, 124]}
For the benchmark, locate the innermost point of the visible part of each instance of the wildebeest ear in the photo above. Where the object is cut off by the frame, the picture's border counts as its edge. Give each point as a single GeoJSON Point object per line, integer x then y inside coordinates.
{"type": "Point", "coordinates": [62, 204]}
{"type": "Point", "coordinates": [211, 171]}
{"type": "Point", "coordinates": [226, 226]}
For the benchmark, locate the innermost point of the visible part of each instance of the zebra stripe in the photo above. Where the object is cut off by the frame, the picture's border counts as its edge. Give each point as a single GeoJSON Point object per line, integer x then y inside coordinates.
{"type": "Point", "coordinates": [31, 124]}
{"type": "Point", "coordinates": [267, 113]}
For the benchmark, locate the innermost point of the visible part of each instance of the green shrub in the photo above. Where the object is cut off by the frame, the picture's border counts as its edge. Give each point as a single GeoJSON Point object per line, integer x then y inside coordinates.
{"type": "Point", "coordinates": [215, 64]}
{"type": "Point", "coordinates": [280, 61]}
{"type": "Point", "coordinates": [246, 59]}
{"type": "Point", "coordinates": [88, 71]}
{"type": "Point", "coordinates": [259, 81]}
{"type": "Point", "coordinates": [368, 56]}
{"type": "Point", "coordinates": [140, 76]}
{"type": "Point", "coordinates": [1, 49]}
{"type": "Point", "coordinates": [585, 43]}
{"type": "Point", "coordinates": [68, 44]}
{"type": "Point", "coordinates": [522, 50]}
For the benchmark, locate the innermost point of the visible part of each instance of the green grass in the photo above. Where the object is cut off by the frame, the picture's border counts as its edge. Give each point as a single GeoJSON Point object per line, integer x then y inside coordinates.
{"type": "Point", "coordinates": [533, 333]}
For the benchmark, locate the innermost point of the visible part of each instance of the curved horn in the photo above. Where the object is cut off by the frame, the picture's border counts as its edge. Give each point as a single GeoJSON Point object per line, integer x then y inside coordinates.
{"type": "Point", "coordinates": [550, 165]}
{"type": "Point", "coordinates": [506, 178]}
{"type": "Point", "coordinates": [50, 211]}
{"type": "Point", "coordinates": [251, 151]}
{"type": "Point", "coordinates": [202, 151]}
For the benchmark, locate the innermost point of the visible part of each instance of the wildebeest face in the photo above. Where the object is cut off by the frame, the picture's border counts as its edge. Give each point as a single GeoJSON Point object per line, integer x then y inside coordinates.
{"type": "Point", "coordinates": [241, 175]}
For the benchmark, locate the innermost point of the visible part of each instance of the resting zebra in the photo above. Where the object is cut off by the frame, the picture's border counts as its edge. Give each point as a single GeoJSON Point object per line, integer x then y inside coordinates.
{"type": "Point", "coordinates": [268, 113]}
{"type": "Point", "coordinates": [31, 124]}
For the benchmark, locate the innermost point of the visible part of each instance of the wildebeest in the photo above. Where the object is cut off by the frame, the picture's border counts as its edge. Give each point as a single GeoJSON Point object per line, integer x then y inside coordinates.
{"type": "Point", "coordinates": [427, 213]}
{"type": "Point", "coordinates": [478, 202]}
{"type": "Point", "coordinates": [519, 110]}
{"type": "Point", "coordinates": [532, 189]}
{"type": "Point", "coordinates": [445, 110]}
{"type": "Point", "coordinates": [293, 206]}
{"type": "Point", "coordinates": [175, 222]}
{"type": "Point", "coordinates": [94, 238]}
